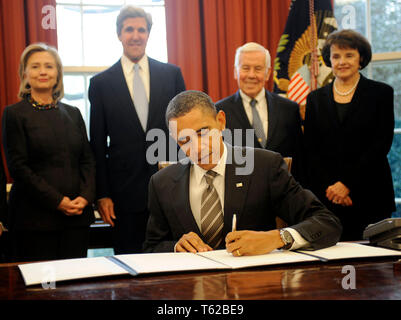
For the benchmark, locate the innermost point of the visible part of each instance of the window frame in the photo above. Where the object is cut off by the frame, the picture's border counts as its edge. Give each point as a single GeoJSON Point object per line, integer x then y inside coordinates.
{"type": "Point", "coordinates": [383, 57]}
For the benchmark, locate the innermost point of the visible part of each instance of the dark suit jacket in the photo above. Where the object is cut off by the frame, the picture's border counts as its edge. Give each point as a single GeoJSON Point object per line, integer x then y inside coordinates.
{"type": "Point", "coordinates": [284, 128]}
{"type": "Point", "coordinates": [269, 191]}
{"type": "Point", "coordinates": [3, 194]}
{"type": "Point", "coordinates": [354, 152]}
{"type": "Point", "coordinates": [123, 172]}
{"type": "Point", "coordinates": [49, 157]}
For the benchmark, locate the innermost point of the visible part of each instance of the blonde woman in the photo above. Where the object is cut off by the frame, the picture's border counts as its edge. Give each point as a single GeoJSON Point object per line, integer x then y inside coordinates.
{"type": "Point", "coordinates": [50, 162]}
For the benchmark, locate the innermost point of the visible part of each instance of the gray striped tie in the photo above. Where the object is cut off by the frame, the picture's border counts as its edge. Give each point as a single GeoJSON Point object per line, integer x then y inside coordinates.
{"type": "Point", "coordinates": [258, 125]}
{"type": "Point", "coordinates": [211, 213]}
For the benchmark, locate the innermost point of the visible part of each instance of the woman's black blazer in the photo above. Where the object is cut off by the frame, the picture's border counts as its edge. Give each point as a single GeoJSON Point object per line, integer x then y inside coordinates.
{"type": "Point", "coordinates": [49, 157]}
{"type": "Point", "coordinates": [354, 151]}
{"type": "Point", "coordinates": [3, 184]}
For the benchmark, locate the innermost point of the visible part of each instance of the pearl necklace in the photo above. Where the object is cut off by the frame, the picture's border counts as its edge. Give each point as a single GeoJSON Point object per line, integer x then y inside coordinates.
{"type": "Point", "coordinates": [347, 92]}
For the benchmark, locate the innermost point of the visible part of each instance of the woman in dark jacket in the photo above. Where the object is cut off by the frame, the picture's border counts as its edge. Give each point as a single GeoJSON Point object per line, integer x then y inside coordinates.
{"type": "Point", "coordinates": [3, 194]}
{"type": "Point", "coordinates": [349, 128]}
{"type": "Point", "coordinates": [50, 162]}
{"type": "Point", "coordinates": [4, 247]}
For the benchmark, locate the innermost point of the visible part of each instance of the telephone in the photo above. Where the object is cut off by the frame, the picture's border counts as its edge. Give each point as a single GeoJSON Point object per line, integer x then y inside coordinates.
{"type": "Point", "coordinates": [385, 233]}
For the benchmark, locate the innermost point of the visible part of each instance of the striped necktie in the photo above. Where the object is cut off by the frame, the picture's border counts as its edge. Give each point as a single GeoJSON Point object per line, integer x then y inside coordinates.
{"type": "Point", "coordinates": [211, 213]}
{"type": "Point", "coordinates": [258, 125]}
{"type": "Point", "coordinates": [140, 99]}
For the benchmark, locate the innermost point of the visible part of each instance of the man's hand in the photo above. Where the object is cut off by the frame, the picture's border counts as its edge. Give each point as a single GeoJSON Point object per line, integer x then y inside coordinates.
{"type": "Point", "coordinates": [80, 202]}
{"type": "Point", "coordinates": [347, 202]}
{"type": "Point", "coordinates": [191, 242]}
{"type": "Point", "coordinates": [69, 208]}
{"type": "Point", "coordinates": [248, 243]}
{"type": "Point", "coordinates": [338, 193]}
{"type": "Point", "coordinates": [2, 228]}
{"type": "Point", "coordinates": [106, 210]}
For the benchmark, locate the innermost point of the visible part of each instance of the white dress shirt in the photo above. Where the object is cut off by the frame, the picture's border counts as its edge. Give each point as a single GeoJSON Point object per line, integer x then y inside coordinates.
{"type": "Point", "coordinates": [128, 70]}
{"type": "Point", "coordinates": [198, 184]}
{"type": "Point", "coordinates": [261, 107]}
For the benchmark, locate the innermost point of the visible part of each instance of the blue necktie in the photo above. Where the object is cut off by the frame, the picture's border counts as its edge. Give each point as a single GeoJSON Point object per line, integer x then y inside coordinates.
{"type": "Point", "coordinates": [257, 125]}
{"type": "Point", "coordinates": [140, 99]}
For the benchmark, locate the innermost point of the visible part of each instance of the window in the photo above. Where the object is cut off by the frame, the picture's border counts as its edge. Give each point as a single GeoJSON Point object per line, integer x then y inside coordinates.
{"type": "Point", "coordinates": [88, 42]}
{"type": "Point", "coordinates": [379, 21]}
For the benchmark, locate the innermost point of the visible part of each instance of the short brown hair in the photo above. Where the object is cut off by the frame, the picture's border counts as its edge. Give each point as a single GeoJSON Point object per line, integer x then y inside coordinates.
{"type": "Point", "coordinates": [133, 12]}
{"type": "Point", "coordinates": [348, 38]}
{"type": "Point", "coordinates": [25, 88]}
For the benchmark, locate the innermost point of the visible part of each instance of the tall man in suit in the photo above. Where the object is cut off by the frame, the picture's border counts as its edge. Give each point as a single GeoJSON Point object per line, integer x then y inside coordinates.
{"type": "Point", "coordinates": [192, 205]}
{"type": "Point", "coordinates": [276, 121]}
{"type": "Point", "coordinates": [128, 100]}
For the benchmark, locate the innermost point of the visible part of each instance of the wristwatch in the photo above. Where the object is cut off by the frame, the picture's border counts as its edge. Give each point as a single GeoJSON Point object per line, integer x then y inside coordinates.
{"type": "Point", "coordinates": [287, 238]}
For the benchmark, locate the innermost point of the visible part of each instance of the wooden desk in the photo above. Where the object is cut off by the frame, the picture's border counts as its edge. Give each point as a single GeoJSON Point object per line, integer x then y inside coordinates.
{"type": "Point", "coordinates": [375, 279]}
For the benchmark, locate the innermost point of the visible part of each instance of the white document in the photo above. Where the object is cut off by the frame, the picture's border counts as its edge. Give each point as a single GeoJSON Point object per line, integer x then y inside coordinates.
{"type": "Point", "coordinates": [60, 270]}
{"type": "Point", "coordinates": [272, 258]}
{"type": "Point", "coordinates": [168, 262]}
{"type": "Point", "coordinates": [69, 269]}
{"type": "Point", "coordinates": [347, 250]}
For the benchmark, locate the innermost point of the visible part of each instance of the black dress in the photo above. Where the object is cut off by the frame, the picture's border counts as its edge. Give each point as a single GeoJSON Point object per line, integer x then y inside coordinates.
{"type": "Point", "coordinates": [49, 157]}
